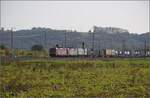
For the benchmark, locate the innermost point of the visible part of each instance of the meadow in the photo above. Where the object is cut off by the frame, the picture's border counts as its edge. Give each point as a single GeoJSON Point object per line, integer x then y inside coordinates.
{"type": "Point", "coordinates": [117, 78]}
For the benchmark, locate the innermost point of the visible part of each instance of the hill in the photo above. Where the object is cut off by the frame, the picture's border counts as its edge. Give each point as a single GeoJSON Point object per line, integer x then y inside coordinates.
{"type": "Point", "coordinates": [108, 37]}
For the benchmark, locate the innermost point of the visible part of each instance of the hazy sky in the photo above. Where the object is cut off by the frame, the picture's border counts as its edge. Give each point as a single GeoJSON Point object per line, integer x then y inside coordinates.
{"type": "Point", "coordinates": [76, 15]}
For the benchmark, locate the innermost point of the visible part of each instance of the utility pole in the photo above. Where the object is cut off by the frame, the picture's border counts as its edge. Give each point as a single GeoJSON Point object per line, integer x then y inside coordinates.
{"type": "Point", "coordinates": [45, 40]}
{"type": "Point", "coordinates": [45, 43]}
{"type": "Point", "coordinates": [123, 47]}
{"type": "Point", "coordinates": [21, 44]}
{"type": "Point", "coordinates": [99, 47]}
{"type": "Point", "coordinates": [148, 45]}
{"type": "Point", "coordinates": [145, 47]}
{"type": "Point", "coordinates": [12, 42]}
{"type": "Point", "coordinates": [65, 39]}
{"type": "Point", "coordinates": [93, 44]}
{"type": "Point", "coordinates": [99, 44]}
{"type": "Point", "coordinates": [83, 47]}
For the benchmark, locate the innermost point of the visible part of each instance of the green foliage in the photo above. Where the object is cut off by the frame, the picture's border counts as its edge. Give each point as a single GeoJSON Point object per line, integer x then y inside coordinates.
{"type": "Point", "coordinates": [37, 48]}
{"type": "Point", "coordinates": [63, 78]}
{"type": "Point", "coordinates": [3, 47]}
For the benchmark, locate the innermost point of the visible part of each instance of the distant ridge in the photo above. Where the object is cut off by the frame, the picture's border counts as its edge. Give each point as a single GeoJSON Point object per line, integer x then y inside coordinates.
{"type": "Point", "coordinates": [105, 37]}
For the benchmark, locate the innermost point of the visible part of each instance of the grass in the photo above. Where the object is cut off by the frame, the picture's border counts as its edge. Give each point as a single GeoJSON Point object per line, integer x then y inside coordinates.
{"type": "Point", "coordinates": [117, 78]}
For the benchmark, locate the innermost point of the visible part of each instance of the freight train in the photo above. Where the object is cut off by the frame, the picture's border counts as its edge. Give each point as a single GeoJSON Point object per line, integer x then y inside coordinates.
{"type": "Point", "coordinates": [76, 52]}
{"type": "Point", "coordinates": [68, 52]}
{"type": "Point", "coordinates": [124, 53]}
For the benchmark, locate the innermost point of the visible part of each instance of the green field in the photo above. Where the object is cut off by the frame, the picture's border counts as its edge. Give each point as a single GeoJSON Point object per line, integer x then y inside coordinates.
{"type": "Point", "coordinates": [117, 78]}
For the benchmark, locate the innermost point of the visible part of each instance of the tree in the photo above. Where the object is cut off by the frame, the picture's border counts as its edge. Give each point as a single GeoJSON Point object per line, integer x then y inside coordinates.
{"type": "Point", "coordinates": [83, 45]}
{"type": "Point", "coordinates": [37, 48]}
{"type": "Point", "coordinates": [3, 47]}
{"type": "Point", "coordinates": [57, 46]}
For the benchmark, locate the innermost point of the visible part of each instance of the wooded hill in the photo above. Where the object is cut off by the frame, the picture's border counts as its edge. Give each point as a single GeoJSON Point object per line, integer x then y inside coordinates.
{"type": "Point", "coordinates": [108, 37]}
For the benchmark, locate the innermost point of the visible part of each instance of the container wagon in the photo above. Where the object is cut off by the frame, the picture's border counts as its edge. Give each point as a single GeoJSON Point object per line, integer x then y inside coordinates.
{"type": "Point", "coordinates": [54, 52]}
{"type": "Point", "coordinates": [108, 53]}
{"type": "Point", "coordinates": [67, 52]}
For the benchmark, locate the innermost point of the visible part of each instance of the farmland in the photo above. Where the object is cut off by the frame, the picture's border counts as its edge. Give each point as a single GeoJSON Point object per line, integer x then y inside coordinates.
{"type": "Point", "coordinates": [117, 78]}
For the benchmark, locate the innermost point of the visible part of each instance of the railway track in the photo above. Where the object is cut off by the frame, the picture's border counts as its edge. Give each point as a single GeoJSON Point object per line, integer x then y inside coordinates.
{"type": "Point", "coordinates": [8, 59]}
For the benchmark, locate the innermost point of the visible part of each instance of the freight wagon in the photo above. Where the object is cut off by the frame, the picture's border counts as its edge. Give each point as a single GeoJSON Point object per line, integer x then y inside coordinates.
{"type": "Point", "coordinates": [76, 52]}
{"type": "Point", "coordinates": [67, 52]}
{"type": "Point", "coordinates": [58, 52]}
{"type": "Point", "coordinates": [108, 53]}
{"type": "Point", "coordinates": [120, 53]}
{"type": "Point", "coordinates": [124, 53]}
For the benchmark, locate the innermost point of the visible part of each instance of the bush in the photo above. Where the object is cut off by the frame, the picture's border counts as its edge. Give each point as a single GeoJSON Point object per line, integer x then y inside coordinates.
{"type": "Point", "coordinates": [37, 48]}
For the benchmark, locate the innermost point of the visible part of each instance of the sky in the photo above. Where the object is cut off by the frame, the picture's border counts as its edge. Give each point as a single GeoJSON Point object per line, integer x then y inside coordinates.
{"type": "Point", "coordinates": [76, 15]}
